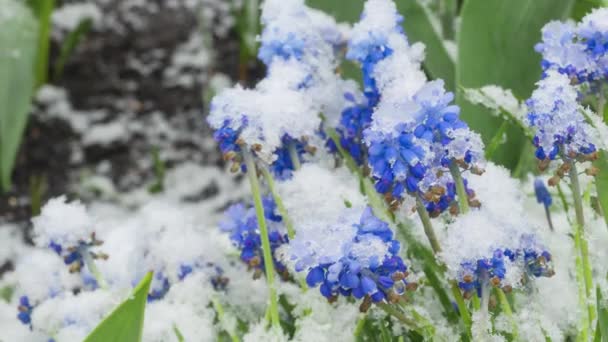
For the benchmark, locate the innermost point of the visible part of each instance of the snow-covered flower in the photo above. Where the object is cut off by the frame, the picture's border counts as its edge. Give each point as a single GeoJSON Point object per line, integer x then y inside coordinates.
{"type": "Point", "coordinates": [284, 107]}
{"type": "Point", "coordinates": [67, 229]}
{"type": "Point", "coordinates": [415, 133]}
{"type": "Point", "coordinates": [577, 50]}
{"type": "Point", "coordinates": [364, 262]}
{"type": "Point", "coordinates": [556, 117]}
{"type": "Point", "coordinates": [482, 251]}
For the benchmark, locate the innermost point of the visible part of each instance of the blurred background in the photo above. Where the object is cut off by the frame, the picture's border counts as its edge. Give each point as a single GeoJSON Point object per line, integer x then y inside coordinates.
{"type": "Point", "coordinates": [105, 97]}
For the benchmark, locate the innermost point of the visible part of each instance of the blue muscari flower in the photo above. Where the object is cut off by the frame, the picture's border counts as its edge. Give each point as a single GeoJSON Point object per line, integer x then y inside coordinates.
{"type": "Point", "coordinates": [537, 260]}
{"type": "Point", "coordinates": [476, 274]}
{"type": "Point", "coordinates": [282, 167]}
{"type": "Point", "coordinates": [292, 46]}
{"type": "Point", "coordinates": [491, 271]}
{"type": "Point", "coordinates": [396, 163]}
{"type": "Point", "coordinates": [242, 225]}
{"type": "Point", "coordinates": [25, 310]}
{"type": "Point", "coordinates": [158, 292]}
{"type": "Point", "coordinates": [542, 193]}
{"type": "Point", "coordinates": [554, 112]}
{"type": "Point", "coordinates": [353, 121]}
{"type": "Point", "coordinates": [382, 280]}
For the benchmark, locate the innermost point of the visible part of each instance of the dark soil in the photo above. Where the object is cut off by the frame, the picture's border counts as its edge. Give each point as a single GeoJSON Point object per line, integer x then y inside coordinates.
{"type": "Point", "coordinates": [98, 76]}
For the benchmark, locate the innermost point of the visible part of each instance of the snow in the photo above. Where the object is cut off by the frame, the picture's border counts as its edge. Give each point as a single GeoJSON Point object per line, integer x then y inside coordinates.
{"type": "Point", "coordinates": [52, 226]}
{"type": "Point", "coordinates": [498, 99]}
{"type": "Point", "coordinates": [69, 16]}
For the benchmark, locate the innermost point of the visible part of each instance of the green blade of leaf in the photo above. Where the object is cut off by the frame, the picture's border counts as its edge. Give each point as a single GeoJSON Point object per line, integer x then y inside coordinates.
{"type": "Point", "coordinates": [418, 28]}
{"type": "Point", "coordinates": [601, 183]}
{"type": "Point", "coordinates": [43, 10]}
{"type": "Point", "coordinates": [70, 43]}
{"type": "Point", "coordinates": [582, 7]}
{"type": "Point", "coordinates": [602, 315]}
{"type": "Point", "coordinates": [18, 39]}
{"type": "Point", "coordinates": [126, 322]}
{"type": "Point", "coordinates": [496, 46]}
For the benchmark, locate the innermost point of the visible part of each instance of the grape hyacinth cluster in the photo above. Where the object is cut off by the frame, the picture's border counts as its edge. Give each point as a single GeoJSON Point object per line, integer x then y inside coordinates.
{"type": "Point", "coordinates": [556, 116]}
{"type": "Point", "coordinates": [415, 136]}
{"type": "Point", "coordinates": [369, 265]}
{"type": "Point", "coordinates": [578, 51]}
{"type": "Point", "coordinates": [280, 117]}
{"type": "Point", "coordinates": [72, 240]}
{"type": "Point", "coordinates": [241, 224]}
{"type": "Point", "coordinates": [483, 252]}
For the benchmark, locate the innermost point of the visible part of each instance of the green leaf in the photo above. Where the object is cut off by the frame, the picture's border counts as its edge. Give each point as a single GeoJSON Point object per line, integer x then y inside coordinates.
{"type": "Point", "coordinates": [70, 43]}
{"type": "Point", "coordinates": [43, 10]}
{"type": "Point", "coordinates": [496, 46]}
{"type": "Point", "coordinates": [602, 315]}
{"type": "Point", "coordinates": [582, 7]}
{"type": "Point", "coordinates": [418, 28]}
{"type": "Point", "coordinates": [126, 322]}
{"type": "Point", "coordinates": [18, 39]}
{"type": "Point", "coordinates": [601, 183]}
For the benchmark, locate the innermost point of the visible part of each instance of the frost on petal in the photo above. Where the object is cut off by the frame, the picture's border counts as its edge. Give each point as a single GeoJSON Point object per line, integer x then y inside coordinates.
{"type": "Point", "coordinates": [555, 115]}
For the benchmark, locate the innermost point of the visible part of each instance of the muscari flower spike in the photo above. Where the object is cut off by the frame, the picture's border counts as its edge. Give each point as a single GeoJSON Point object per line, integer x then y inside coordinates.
{"type": "Point", "coordinates": [74, 256]}
{"type": "Point", "coordinates": [368, 50]}
{"type": "Point", "coordinates": [416, 157]}
{"type": "Point", "coordinates": [577, 50]}
{"type": "Point", "coordinates": [376, 278]}
{"type": "Point", "coordinates": [542, 193]}
{"type": "Point", "coordinates": [534, 259]}
{"type": "Point", "coordinates": [161, 283]}
{"type": "Point", "coordinates": [555, 115]}
{"type": "Point", "coordinates": [282, 110]}
{"type": "Point", "coordinates": [242, 225]}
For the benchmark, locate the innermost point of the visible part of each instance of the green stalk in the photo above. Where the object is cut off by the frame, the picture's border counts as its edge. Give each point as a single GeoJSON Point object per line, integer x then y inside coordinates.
{"type": "Point", "coordinates": [463, 198]}
{"type": "Point", "coordinates": [360, 325]}
{"type": "Point", "coordinates": [268, 261]}
{"type": "Point", "coordinates": [428, 227]}
{"type": "Point", "coordinates": [88, 260]}
{"type": "Point", "coordinates": [583, 246]}
{"type": "Point", "coordinates": [601, 104]}
{"type": "Point", "coordinates": [475, 301]}
{"type": "Point", "coordinates": [582, 297]}
{"type": "Point", "coordinates": [350, 162]}
{"type": "Point", "coordinates": [462, 307]}
{"type": "Point", "coordinates": [277, 199]}
{"type": "Point", "coordinates": [219, 309]}
{"type": "Point", "coordinates": [293, 154]}
{"type": "Point", "coordinates": [496, 140]}
{"type": "Point", "coordinates": [506, 308]}
{"type": "Point", "coordinates": [389, 309]}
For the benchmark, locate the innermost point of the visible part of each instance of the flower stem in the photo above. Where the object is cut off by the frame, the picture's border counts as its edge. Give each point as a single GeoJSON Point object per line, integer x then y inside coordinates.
{"type": "Point", "coordinates": [463, 199]}
{"type": "Point", "coordinates": [219, 309]}
{"type": "Point", "coordinates": [582, 241]}
{"type": "Point", "coordinates": [428, 227]}
{"type": "Point", "coordinates": [277, 199]}
{"type": "Point", "coordinates": [360, 325]}
{"type": "Point", "coordinates": [268, 261]}
{"type": "Point", "coordinates": [389, 309]}
{"type": "Point", "coordinates": [293, 154]}
{"type": "Point", "coordinates": [506, 308]}
{"type": "Point", "coordinates": [88, 260]}
{"type": "Point", "coordinates": [548, 216]}
{"type": "Point", "coordinates": [462, 307]}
